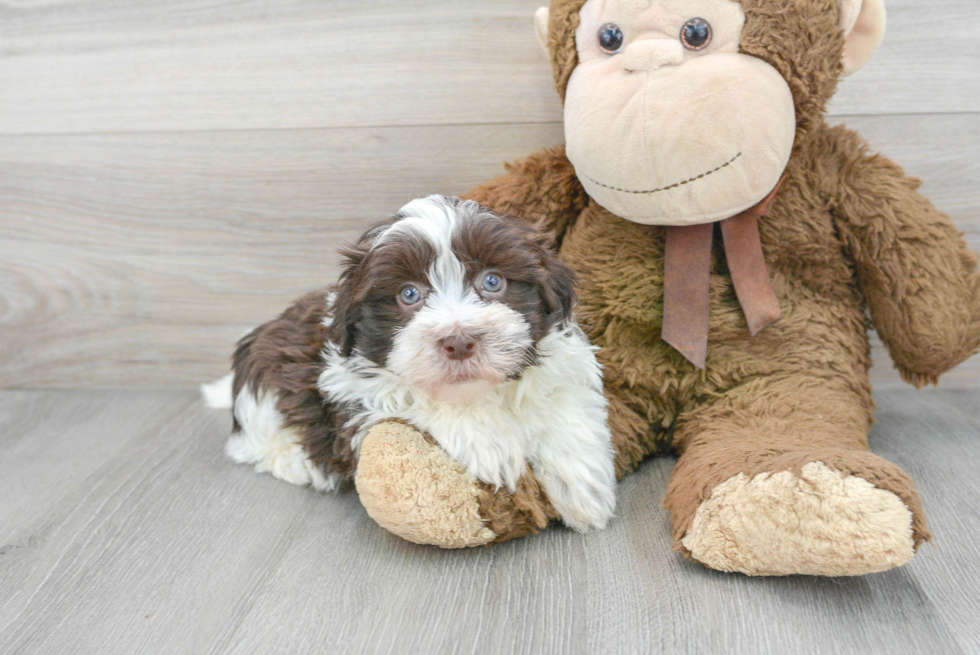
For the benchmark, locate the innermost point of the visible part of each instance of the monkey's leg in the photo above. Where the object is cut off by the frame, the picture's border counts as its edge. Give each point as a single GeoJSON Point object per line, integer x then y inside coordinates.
{"type": "Point", "coordinates": [776, 478]}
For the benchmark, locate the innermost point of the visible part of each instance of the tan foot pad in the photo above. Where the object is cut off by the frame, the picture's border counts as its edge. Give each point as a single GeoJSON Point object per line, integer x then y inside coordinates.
{"type": "Point", "coordinates": [415, 490]}
{"type": "Point", "coordinates": [821, 523]}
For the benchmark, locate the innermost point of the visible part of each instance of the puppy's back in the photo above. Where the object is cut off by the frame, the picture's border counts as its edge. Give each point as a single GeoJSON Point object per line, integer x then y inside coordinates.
{"type": "Point", "coordinates": [281, 422]}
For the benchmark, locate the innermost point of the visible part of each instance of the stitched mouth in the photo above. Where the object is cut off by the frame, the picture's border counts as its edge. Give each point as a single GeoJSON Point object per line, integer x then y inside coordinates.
{"type": "Point", "coordinates": [672, 186]}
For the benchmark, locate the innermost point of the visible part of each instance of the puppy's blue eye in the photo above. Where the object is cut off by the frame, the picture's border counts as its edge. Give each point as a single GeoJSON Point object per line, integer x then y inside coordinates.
{"type": "Point", "coordinates": [493, 283]}
{"type": "Point", "coordinates": [410, 295]}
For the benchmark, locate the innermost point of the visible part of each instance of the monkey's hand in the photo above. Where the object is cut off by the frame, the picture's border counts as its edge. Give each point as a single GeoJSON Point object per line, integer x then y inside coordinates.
{"type": "Point", "coordinates": [917, 273]}
{"type": "Point", "coordinates": [412, 488]}
{"type": "Point", "coordinates": [541, 189]}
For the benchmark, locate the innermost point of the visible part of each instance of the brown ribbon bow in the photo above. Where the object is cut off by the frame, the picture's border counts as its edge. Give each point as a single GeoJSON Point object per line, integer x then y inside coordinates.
{"type": "Point", "coordinates": [687, 270]}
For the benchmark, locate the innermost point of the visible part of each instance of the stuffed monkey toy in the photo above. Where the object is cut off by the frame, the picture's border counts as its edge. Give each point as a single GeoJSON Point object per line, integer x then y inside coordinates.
{"type": "Point", "coordinates": [743, 349]}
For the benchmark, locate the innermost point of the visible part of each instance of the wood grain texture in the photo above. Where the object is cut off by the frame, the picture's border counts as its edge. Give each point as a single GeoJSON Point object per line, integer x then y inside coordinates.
{"type": "Point", "coordinates": [139, 259]}
{"type": "Point", "coordinates": [157, 543]}
{"type": "Point", "coordinates": [914, 72]}
{"type": "Point", "coordinates": [943, 463]}
{"type": "Point", "coordinates": [71, 66]}
{"type": "Point", "coordinates": [135, 259]}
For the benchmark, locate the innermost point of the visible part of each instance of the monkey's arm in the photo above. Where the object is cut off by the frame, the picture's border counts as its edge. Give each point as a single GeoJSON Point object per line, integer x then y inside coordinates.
{"type": "Point", "coordinates": [541, 188]}
{"type": "Point", "coordinates": [917, 273]}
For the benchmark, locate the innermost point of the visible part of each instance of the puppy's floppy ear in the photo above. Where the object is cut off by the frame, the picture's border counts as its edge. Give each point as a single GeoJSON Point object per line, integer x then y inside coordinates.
{"type": "Point", "coordinates": [559, 283]}
{"type": "Point", "coordinates": [343, 328]}
{"type": "Point", "coordinates": [346, 313]}
{"type": "Point", "coordinates": [559, 279]}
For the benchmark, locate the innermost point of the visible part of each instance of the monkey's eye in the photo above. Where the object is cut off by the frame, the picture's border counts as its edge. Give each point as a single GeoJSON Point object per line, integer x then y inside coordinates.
{"type": "Point", "coordinates": [610, 38]}
{"type": "Point", "coordinates": [493, 283]}
{"type": "Point", "coordinates": [409, 295]}
{"type": "Point", "coordinates": [696, 34]}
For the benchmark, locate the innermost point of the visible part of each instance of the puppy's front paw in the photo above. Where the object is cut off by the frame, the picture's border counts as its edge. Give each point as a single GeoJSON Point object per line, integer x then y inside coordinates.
{"type": "Point", "coordinates": [577, 470]}
{"type": "Point", "coordinates": [487, 453]}
{"type": "Point", "coordinates": [585, 502]}
{"type": "Point", "coordinates": [497, 467]}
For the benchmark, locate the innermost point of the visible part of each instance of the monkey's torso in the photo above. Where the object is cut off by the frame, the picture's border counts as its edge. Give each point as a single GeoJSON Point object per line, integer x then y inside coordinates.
{"type": "Point", "coordinates": [822, 331]}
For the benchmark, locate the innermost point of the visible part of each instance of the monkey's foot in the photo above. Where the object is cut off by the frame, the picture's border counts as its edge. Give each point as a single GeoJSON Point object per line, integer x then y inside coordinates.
{"type": "Point", "coordinates": [413, 489]}
{"type": "Point", "coordinates": [819, 522]}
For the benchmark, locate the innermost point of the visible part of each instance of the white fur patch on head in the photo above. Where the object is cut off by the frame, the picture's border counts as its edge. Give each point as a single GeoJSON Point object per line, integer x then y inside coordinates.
{"type": "Point", "coordinates": [436, 220]}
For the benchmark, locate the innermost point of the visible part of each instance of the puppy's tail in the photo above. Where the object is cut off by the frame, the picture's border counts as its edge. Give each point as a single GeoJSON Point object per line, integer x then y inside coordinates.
{"type": "Point", "coordinates": [217, 394]}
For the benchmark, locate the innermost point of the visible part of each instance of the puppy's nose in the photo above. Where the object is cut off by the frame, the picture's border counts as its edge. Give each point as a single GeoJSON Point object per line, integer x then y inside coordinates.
{"type": "Point", "coordinates": [459, 347]}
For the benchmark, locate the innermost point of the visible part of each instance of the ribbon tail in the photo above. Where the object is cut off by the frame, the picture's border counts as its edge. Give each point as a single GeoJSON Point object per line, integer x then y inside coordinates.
{"type": "Point", "coordinates": [687, 269]}
{"type": "Point", "coordinates": [750, 276]}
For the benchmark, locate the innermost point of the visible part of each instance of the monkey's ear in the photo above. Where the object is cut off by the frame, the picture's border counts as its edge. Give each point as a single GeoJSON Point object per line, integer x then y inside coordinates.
{"type": "Point", "coordinates": [541, 17]}
{"type": "Point", "coordinates": [863, 22]}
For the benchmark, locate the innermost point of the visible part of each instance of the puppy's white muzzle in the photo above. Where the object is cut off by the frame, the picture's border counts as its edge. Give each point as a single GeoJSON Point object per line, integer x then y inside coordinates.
{"type": "Point", "coordinates": [460, 341]}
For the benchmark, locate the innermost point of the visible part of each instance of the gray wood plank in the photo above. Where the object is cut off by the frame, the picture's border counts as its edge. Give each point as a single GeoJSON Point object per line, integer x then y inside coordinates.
{"type": "Point", "coordinates": [165, 249]}
{"type": "Point", "coordinates": [59, 431]}
{"type": "Point", "coordinates": [171, 548]}
{"type": "Point", "coordinates": [886, 85]}
{"type": "Point", "coordinates": [139, 259]}
{"type": "Point", "coordinates": [154, 550]}
{"type": "Point", "coordinates": [192, 65]}
{"type": "Point", "coordinates": [935, 437]}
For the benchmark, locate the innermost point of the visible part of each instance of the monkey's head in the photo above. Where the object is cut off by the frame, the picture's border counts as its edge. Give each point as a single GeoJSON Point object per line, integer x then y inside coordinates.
{"type": "Point", "coordinates": [680, 112]}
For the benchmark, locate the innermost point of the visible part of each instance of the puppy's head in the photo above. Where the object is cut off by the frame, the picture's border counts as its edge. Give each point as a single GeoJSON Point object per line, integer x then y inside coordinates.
{"type": "Point", "coordinates": [450, 296]}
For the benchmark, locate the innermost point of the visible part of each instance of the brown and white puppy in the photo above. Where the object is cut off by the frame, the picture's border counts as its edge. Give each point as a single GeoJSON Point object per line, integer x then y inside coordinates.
{"type": "Point", "coordinates": [456, 320]}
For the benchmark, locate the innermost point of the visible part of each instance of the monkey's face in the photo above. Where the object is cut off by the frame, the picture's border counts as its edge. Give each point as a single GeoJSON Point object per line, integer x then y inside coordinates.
{"type": "Point", "coordinates": [666, 122]}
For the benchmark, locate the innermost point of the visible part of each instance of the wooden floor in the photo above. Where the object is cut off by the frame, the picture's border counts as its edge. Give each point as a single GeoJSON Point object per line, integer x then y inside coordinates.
{"type": "Point", "coordinates": [124, 529]}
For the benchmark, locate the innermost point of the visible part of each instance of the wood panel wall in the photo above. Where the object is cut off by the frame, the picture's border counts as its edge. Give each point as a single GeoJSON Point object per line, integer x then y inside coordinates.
{"type": "Point", "coordinates": [175, 172]}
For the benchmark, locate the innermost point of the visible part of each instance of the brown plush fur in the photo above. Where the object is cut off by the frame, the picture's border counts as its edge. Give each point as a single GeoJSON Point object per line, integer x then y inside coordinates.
{"type": "Point", "coordinates": [512, 515]}
{"type": "Point", "coordinates": [848, 233]}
